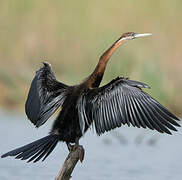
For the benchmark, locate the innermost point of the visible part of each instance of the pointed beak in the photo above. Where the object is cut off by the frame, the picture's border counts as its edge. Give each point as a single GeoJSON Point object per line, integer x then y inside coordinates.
{"type": "Point", "coordinates": [136, 35]}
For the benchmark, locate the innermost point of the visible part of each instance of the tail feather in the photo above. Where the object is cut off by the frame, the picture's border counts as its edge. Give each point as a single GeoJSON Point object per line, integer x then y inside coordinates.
{"type": "Point", "coordinates": [25, 148]}
{"type": "Point", "coordinates": [35, 150]}
{"type": "Point", "coordinates": [26, 154]}
{"type": "Point", "coordinates": [30, 152]}
{"type": "Point", "coordinates": [51, 148]}
{"type": "Point", "coordinates": [40, 153]}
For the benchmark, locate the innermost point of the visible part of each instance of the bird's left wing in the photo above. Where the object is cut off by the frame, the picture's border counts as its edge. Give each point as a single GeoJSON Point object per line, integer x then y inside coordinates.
{"type": "Point", "coordinates": [122, 101]}
{"type": "Point", "coordinates": [46, 94]}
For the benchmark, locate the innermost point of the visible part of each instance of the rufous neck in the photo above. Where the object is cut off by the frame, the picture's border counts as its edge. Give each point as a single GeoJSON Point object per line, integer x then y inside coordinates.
{"type": "Point", "coordinates": [95, 78]}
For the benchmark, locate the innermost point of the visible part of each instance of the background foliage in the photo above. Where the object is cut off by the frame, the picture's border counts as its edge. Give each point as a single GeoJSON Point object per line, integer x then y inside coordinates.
{"type": "Point", "coordinates": [71, 35]}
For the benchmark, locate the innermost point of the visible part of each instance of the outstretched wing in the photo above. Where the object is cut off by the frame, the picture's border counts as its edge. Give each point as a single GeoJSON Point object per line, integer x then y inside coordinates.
{"type": "Point", "coordinates": [122, 101]}
{"type": "Point", "coordinates": [46, 94]}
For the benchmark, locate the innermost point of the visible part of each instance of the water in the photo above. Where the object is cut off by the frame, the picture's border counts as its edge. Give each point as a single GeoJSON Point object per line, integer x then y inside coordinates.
{"type": "Point", "coordinates": [127, 153]}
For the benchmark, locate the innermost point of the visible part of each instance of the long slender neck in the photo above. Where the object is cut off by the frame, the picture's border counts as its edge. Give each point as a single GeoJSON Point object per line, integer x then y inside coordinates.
{"type": "Point", "coordinates": [95, 78]}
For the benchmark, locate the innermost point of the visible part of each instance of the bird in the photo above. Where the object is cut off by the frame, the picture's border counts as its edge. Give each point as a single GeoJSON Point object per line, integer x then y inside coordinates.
{"type": "Point", "coordinates": [120, 102]}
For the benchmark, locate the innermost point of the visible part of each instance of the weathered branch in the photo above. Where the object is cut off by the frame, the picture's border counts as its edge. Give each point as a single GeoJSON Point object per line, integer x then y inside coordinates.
{"type": "Point", "coordinates": [77, 153]}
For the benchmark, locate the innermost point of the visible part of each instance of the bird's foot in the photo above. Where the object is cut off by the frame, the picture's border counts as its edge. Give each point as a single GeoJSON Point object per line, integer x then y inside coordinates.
{"type": "Point", "coordinates": [81, 152]}
{"type": "Point", "coordinates": [76, 146]}
{"type": "Point", "coordinates": [70, 147]}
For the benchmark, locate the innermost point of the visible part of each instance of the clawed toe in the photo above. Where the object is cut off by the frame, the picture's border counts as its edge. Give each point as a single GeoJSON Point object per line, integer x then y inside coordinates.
{"type": "Point", "coordinates": [77, 146]}
{"type": "Point", "coordinates": [81, 153]}
{"type": "Point", "coordinates": [70, 147]}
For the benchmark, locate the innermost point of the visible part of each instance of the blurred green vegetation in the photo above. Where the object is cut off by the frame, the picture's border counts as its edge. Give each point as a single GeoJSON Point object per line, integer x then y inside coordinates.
{"type": "Point", "coordinates": [71, 35]}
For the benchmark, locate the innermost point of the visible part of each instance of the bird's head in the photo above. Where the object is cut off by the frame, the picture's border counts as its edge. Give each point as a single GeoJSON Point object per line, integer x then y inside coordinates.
{"type": "Point", "coordinates": [132, 35]}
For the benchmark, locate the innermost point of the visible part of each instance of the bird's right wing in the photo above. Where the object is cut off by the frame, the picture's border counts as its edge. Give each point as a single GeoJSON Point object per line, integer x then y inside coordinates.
{"type": "Point", "coordinates": [122, 101]}
{"type": "Point", "coordinates": [46, 94]}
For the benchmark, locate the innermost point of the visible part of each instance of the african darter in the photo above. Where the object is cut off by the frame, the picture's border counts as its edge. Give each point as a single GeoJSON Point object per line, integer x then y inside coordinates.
{"type": "Point", "coordinates": [121, 101]}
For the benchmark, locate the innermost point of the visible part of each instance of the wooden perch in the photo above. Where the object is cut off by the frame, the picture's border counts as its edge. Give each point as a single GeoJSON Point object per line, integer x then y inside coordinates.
{"type": "Point", "coordinates": [77, 153]}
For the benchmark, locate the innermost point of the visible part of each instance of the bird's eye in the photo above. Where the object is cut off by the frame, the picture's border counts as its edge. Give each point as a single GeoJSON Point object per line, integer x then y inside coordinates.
{"type": "Point", "coordinates": [132, 35]}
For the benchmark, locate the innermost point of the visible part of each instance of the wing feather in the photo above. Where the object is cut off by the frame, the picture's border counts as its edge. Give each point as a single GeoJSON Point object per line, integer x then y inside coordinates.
{"type": "Point", "coordinates": [122, 101]}
{"type": "Point", "coordinates": [136, 111]}
{"type": "Point", "coordinates": [46, 94]}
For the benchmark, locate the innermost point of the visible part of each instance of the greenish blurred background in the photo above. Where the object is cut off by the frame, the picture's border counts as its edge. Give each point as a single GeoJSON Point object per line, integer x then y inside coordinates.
{"type": "Point", "coordinates": [72, 34]}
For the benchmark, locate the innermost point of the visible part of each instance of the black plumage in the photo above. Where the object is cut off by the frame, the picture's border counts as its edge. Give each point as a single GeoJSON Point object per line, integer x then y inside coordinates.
{"type": "Point", "coordinates": [46, 94]}
{"type": "Point", "coordinates": [120, 102]}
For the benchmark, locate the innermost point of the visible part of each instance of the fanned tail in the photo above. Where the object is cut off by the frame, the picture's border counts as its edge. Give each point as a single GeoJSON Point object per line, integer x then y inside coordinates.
{"type": "Point", "coordinates": [35, 150]}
